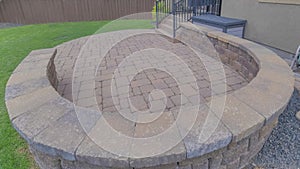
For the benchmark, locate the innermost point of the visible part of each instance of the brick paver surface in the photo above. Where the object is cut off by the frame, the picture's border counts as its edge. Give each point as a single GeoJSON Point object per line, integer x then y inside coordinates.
{"type": "Point", "coordinates": [122, 69]}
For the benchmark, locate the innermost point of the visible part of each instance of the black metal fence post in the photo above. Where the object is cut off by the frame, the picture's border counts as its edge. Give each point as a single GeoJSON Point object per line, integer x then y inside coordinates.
{"type": "Point", "coordinates": [220, 8]}
{"type": "Point", "coordinates": [156, 13]}
{"type": "Point", "coordinates": [194, 7]}
{"type": "Point", "coordinates": [174, 18]}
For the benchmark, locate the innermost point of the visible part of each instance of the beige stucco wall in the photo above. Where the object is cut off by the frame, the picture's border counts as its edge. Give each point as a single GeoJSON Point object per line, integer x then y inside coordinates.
{"type": "Point", "coordinates": [275, 23]}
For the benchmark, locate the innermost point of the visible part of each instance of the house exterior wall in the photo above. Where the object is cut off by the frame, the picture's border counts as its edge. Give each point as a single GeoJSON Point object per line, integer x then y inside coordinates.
{"type": "Point", "coordinates": [272, 22]}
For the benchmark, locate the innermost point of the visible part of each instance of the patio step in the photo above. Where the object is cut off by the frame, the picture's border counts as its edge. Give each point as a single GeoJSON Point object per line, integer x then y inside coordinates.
{"type": "Point", "coordinates": [167, 28]}
{"type": "Point", "coordinates": [168, 20]}
{"type": "Point", "coordinates": [164, 32]}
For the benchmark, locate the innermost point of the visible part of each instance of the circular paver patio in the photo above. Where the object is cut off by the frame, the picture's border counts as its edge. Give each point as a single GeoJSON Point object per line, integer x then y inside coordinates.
{"type": "Point", "coordinates": [102, 74]}
{"type": "Point", "coordinates": [145, 81]}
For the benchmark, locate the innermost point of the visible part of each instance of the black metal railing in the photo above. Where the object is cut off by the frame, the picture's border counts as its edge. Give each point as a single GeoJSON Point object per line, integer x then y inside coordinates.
{"type": "Point", "coordinates": [184, 10]}
{"type": "Point", "coordinates": [206, 7]}
{"type": "Point", "coordinates": [163, 9]}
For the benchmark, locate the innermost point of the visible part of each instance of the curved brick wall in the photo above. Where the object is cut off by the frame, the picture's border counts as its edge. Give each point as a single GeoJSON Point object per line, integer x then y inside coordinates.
{"type": "Point", "coordinates": [51, 71]}
{"type": "Point", "coordinates": [229, 50]}
{"type": "Point", "coordinates": [49, 124]}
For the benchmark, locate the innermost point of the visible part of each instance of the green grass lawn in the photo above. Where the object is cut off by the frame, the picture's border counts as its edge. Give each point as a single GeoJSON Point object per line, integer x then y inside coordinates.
{"type": "Point", "coordinates": [15, 44]}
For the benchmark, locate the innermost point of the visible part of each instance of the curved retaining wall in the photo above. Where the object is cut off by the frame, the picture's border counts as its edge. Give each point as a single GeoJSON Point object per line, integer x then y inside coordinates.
{"type": "Point", "coordinates": [49, 124]}
{"type": "Point", "coordinates": [258, 105]}
{"type": "Point", "coordinates": [229, 50]}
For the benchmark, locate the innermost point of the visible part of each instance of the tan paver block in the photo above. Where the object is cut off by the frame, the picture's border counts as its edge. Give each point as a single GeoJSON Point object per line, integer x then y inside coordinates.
{"type": "Point", "coordinates": [136, 91]}
{"type": "Point", "coordinates": [169, 80]}
{"type": "Point", "coordinates": [237, 86]}
{"type": "Point", "coordinates": [150, 130]}
{"type": "Point", "coordinates": [21, 77]}
{"type": "Point", "coordinates": [30, 101]}
{"type": "Point", "coordinates": [122, 81]}
{"type": "Point", "coordinates": [282, 71]}
{"type": "Point", "coordinates": [179, 100]}
{"type": "Point", "coordinates": [41, 53]}
{"type": "Point", "coordinates": [206, 92]}
{"type": "Point", "coordinates": [26, 87]}
{"type": "Point", "coordinates": [32, 123]}
{"type": "Point", "coordinates": [196, 100]}
{"type": "Point", "coordinates": [261, 101]}
{"type": "Point", "coordinates": [138, 83]}
{"type": "Point", "coordinates": [163, 122]}
{"type": "Point", "coordinates": [107, 102]}
{"type": "Point", "coordinates": [159, 84]}
{"type": "Point", "coordinates": [109, 129]}
{"type": "Point", "coordinates": [104, 77]}
{"type": "Point", "coordinates": [91, 152]}
{"type": "Point", "coordinates": [220, 88]}
{"type": "Point", "coordinates": [161, 75]}
{"type": "Point", "coordinates": [281, 91]}
{"type": "Point", "coordinates": [28, 66]}
{"type": "Point", "coordinates": [177, 153]}
{"type": "Point", "coordinates": [138, 102]}
{"type": "Point", "coordinates": [157, 106]}
{"type": "Point", "coordinates": [86, 102]}
{"type": "Point", "coordinates": [146, 88]}
{"type": "Point", "coordinates": [106, 92]}
{"type": "Point", "coordinates": [62, 138]}
{"type": "Point", "coordinates": [188, 90]}
{"type": "Point", "coordinates": [240, 119]}
{"type": "Point", "coordinates": [122, 90]}
{"type": "Point", "coordinates": [206, 132]}
{"type": "Point", "coordinates": [170, 104]}
{"type": "Point", "coordinates": [119, 123]}
{"type": "Point", "coordinates": [157, 94]}
{"type": "Point", "coordinates": [86, 94]}
{"type": "Point", "coordinates": [168, 92]}
{"type": "Point", "coordinates": [203, 84]}
{"type": "Point", "coordinates": [233, 80]}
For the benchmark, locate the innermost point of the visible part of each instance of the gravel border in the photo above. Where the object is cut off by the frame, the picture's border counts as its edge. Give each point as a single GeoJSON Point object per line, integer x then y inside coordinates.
{"type": "Point", "coordinates": [282, 149]}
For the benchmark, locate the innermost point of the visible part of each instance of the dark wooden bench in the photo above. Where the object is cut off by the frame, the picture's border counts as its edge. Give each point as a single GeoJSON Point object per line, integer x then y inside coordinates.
{"type": "Point", "coordinates": [223, 23]}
